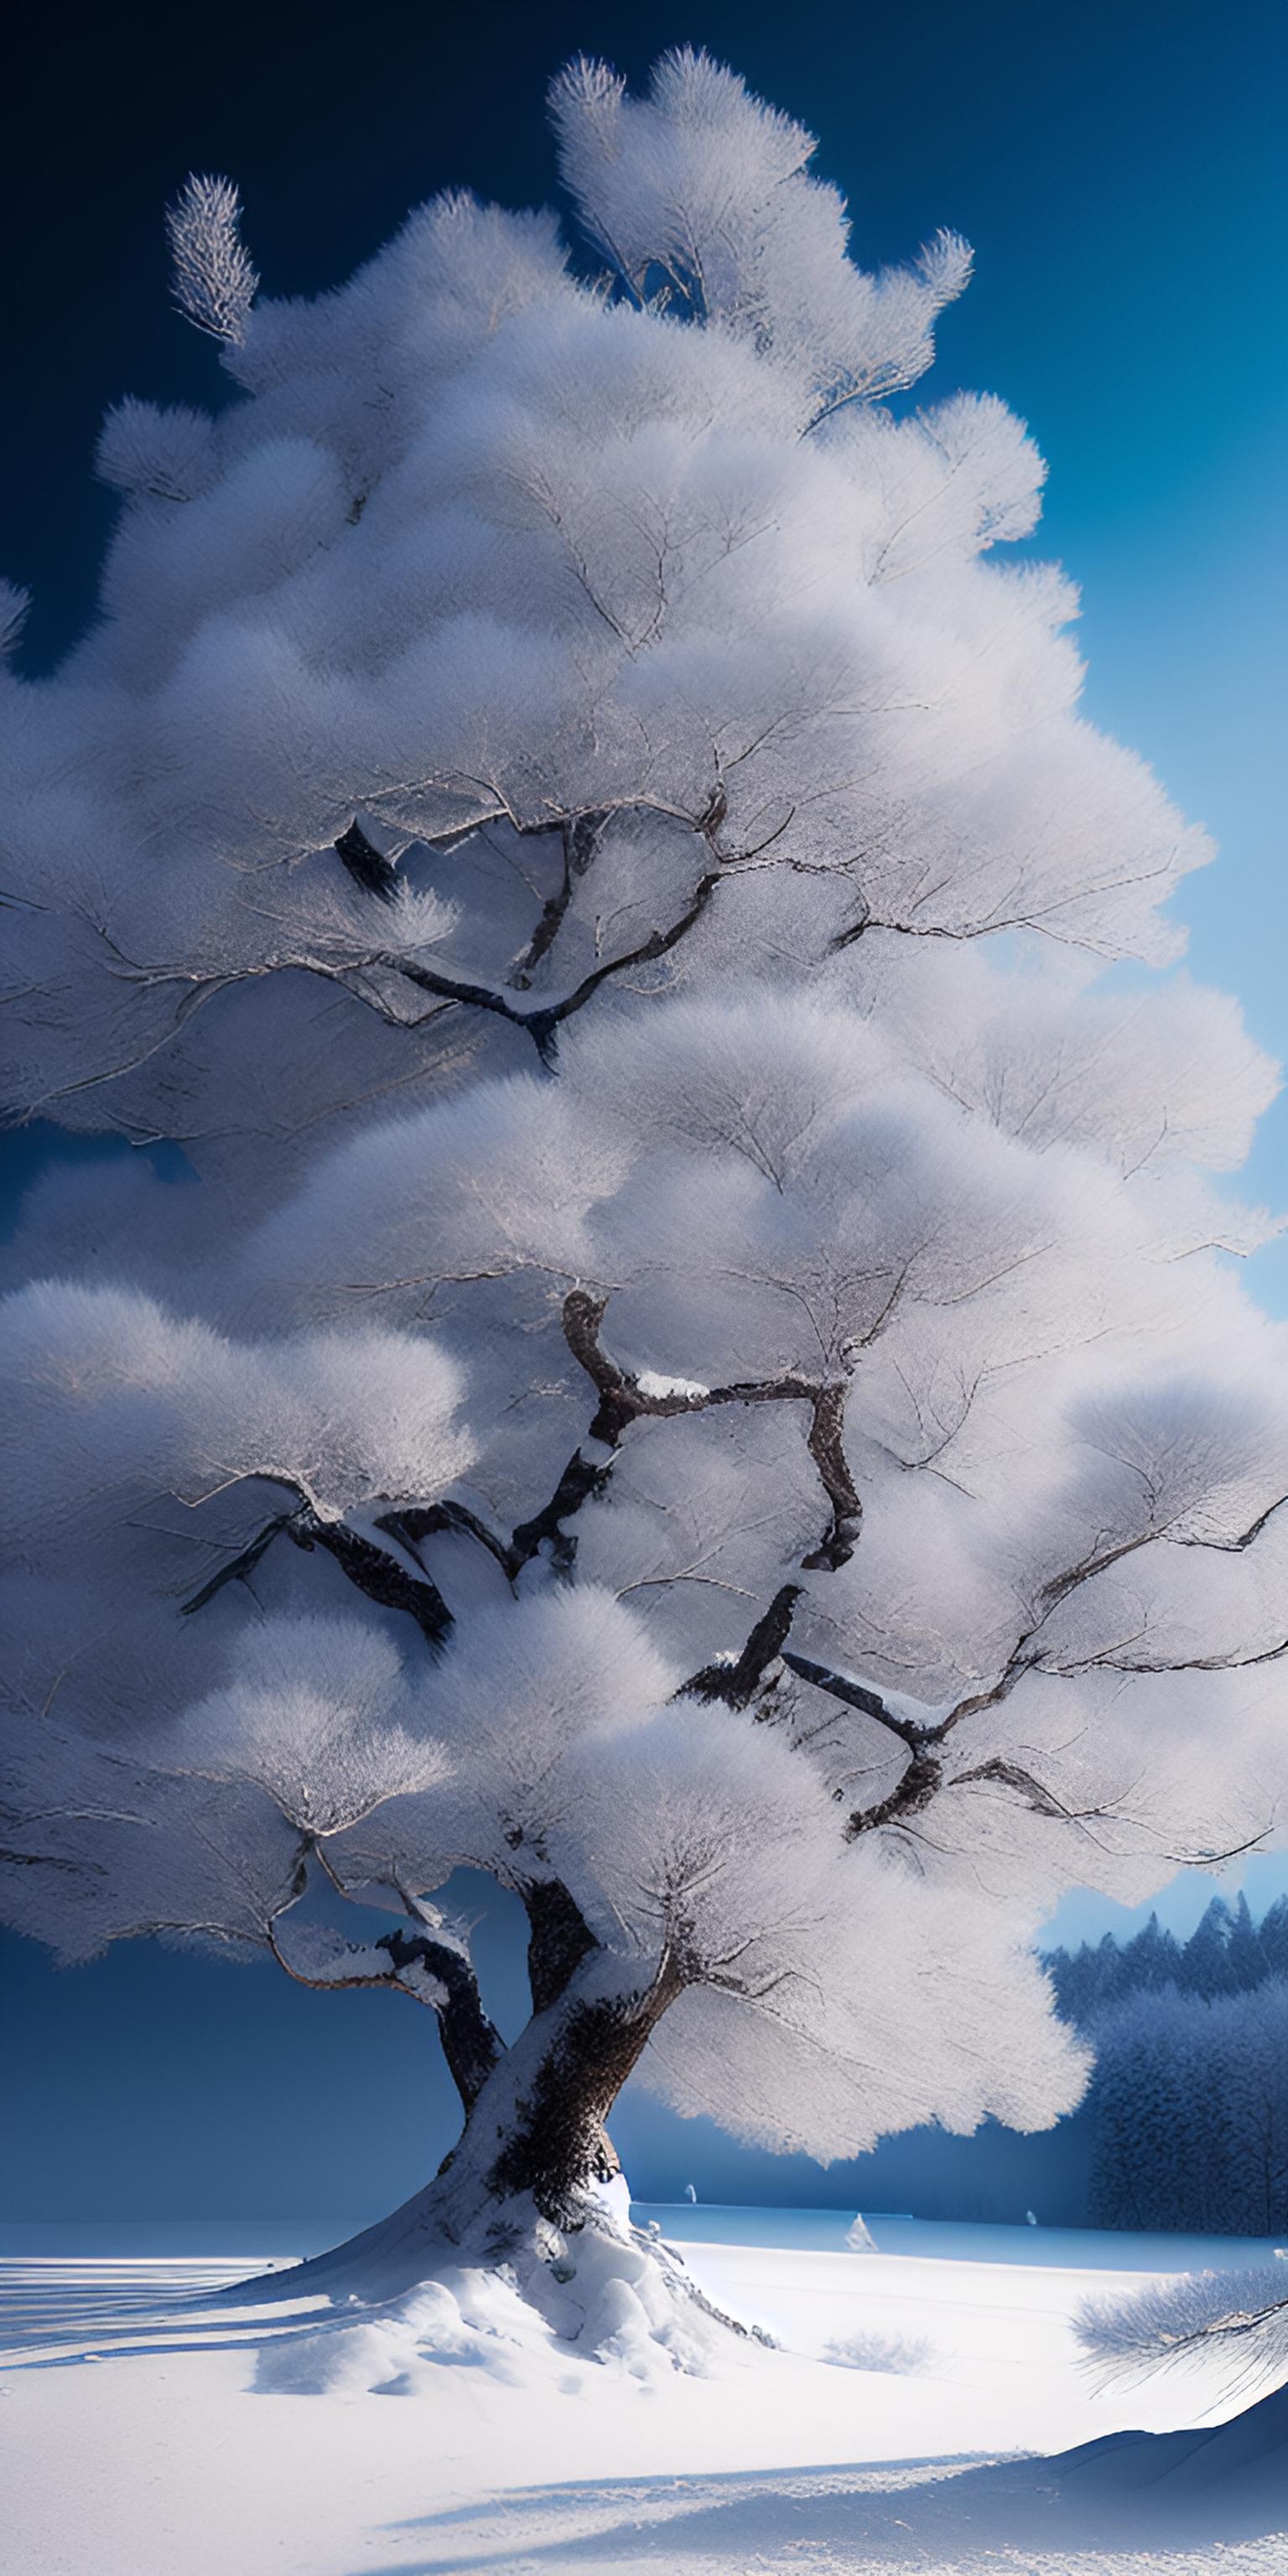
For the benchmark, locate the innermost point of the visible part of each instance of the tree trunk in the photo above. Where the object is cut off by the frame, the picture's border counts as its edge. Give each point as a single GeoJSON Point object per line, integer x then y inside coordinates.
{"type": "Point", "coordinates": [557, 2145]}
{"type": "Point", "coordinates": [532, 2148]}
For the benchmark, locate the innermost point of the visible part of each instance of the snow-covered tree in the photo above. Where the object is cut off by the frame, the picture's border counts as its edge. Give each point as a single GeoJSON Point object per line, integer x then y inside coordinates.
{"type": "Point", "coordinates": [1190, 2104]}
{"type": "Point", "coordinates": [1227, 1953]}
{"type": "Point", "coordinates": [700, 1373]}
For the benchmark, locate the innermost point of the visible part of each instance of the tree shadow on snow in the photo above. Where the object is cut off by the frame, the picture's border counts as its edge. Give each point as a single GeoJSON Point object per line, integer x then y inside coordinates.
{"type": "Point", "coordinates": [1111, 2502]}
{"type": "Point", "coordinates": [58, 2314]}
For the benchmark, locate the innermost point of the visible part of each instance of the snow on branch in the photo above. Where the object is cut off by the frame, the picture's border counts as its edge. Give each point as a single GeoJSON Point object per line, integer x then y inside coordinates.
{"type": "Point", "coordinates": [625, 1397]}
{"type": "Point", "coordinates": [389, 1575]}
{"type": "Point", "coordinates": [215, 281]}
{"type": "Point", "coordinates": [1238, 2319]}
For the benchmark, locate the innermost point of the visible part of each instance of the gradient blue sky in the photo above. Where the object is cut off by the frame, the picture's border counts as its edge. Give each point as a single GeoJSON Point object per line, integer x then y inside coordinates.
{"type": "Point", "coordinates": [1120, 171]}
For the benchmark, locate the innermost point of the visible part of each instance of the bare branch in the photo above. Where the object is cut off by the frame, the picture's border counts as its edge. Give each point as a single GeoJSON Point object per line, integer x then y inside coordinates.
{"type": "Point", "coordinates": [581, 837]}
{"type": "Point", "coordinates": [472, 2044]}
{"type": "Point", "coordinates": [856, 1695]}
{"type": "Point", "coordinates": [737, 1681]}
{"type": "Point", "coordinates": [383, 1577]}
{"type": "Point", "coordinates": [368, 866]}
{"type": "Point", "coordinates": [624, 1398]}
{"type": "Point", "coordinates": [543, 1023]}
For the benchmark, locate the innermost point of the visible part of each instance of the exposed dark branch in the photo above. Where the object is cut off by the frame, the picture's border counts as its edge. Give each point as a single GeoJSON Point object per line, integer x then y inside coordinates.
{"type": "Point", "coordinates": [854, 930]}
{"type": "Point", "coordinates": [1215, 1859]}
{"type": "Point", "coordinates": [582, 1478]}
{"type": "Point", "coordinates": [542, 1024]}
{"type": "Point", "coordinates": [827, 1423]}
{"type": "Point", "coordinates": [381, 1577]}
{"type": "Point", "coordinates": [368, 866]}
{"type": "Point", "coordinates": [1233, 1663]}
{"type": "Point", "coordinates": [924, 1774]}
{"type": "Point", "coordinates": [472, 2045]}
{"type": "Point", "coordinates": [737, 1682]}
{"type": "Point", "coordinates": [1246, 1538]}
{"type": "Point", "coordinates": [377, 1573]}
{"type": "Point", "coordinates": [580, 841]}
{"type": "Point", "coordinates": [909, 1796]}
{"type": "Point", "coordinates": [1021, 1660]}
{"type": "Point", "coordinates": [623, 1400]}
{"type": "Point", "coordinates": [1042, 1800]}
{"type": "Point", "coordinates": [411, 1522]}
{"type": "Point", "coordinates": [857, 1695]}
{"type": "Point", "coordinates": [559, 1938]}
{"type": "Point", "coordinates": [244, 1563]}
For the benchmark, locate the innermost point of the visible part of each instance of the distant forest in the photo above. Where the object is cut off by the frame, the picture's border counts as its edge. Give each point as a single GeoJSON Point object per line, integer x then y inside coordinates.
{"type": "Point", "coordinates": [1188, 2107]}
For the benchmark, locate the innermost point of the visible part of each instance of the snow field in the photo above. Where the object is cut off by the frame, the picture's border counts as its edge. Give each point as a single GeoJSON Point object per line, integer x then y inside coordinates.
{"type": "Point", "coordinates": [140, 2437]}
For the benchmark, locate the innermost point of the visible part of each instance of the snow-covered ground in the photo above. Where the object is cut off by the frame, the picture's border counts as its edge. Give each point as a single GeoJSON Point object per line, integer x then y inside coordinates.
{"type": "Point", "coordinates": [141, 2437]}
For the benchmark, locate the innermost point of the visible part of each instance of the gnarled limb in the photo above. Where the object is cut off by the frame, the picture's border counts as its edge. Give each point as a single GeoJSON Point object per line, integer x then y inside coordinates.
{"type": "Point", "coordinates": [559, 1937]}
{"type": "Point", "coordinates": [429, 1964]}
{"type": "Point", "coordinates": [623, 1399]}
{"type": "Point", "coordinates": [580, 842]}
{"type": "Point", "coordinates": [921, 1782]}
{"type": "Point", "coordinates": [383, 1577]}
{"type": "Point", "coordinates": [737, 1681]}
{"type": "Point", "coordinates": [542, 1024]}
{"type": "Point", "coordinates": [472, 2044]}
{"type": "Point", "coordinates": [827, 1423]}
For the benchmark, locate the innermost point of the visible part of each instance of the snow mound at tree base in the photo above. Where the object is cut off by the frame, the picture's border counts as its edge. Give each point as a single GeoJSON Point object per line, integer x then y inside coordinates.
{"type": "Point", "coordinates": [604, 2292]}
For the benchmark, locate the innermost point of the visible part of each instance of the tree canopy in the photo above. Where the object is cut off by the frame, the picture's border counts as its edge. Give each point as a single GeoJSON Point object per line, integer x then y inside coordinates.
{"type": "Point", "coordinates": [698, 1368]}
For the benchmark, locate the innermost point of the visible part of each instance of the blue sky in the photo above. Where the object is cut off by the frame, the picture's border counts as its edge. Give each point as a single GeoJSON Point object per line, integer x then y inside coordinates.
{"type": "Point", "coordinates": [1120, 173]}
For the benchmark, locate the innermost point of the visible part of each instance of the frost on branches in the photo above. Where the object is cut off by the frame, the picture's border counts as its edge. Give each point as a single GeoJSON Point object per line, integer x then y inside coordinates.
{"type": "Point", "coordinates": [700, 1372]}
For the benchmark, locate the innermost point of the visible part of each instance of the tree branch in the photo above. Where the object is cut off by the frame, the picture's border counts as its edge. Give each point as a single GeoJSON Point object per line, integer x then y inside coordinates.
{"type": "Point", "coordinates": [559, 1938]}
{"type": "Point", "coordinates": [472, 2044]}
{"type": "Point", "coordinates": [623, 1399]}
{"type": "Point", "coordinates": [1043, 1801]}
{"type": "Point", "coordinates": [919, 1784]}
{"type": "Point", "coordinates": [924, 1774]}
{"type": "Point", "coordinates": [542, 1024]}
{"type": "Point", "coordinates": [737, 1681]}
{"type": "Point", "coordinates": [856, 1695]}
{"type": "Point", "coordinates": [368, 866]}
{"type": "Point", "coordinates": [378, 1574]}
{"type": "Point", "coordinates": [580, 842]}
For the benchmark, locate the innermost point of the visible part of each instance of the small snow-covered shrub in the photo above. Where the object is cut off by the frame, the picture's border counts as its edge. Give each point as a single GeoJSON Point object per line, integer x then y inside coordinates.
{"type": "Point", "coordinates": [902, 2356]}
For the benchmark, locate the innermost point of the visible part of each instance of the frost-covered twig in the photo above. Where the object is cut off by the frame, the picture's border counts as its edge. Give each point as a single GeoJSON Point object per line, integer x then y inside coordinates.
{"type": "Point", "coordinates": [1239, 2318]}
{"type": "Point", "coordinates": [215, 280]}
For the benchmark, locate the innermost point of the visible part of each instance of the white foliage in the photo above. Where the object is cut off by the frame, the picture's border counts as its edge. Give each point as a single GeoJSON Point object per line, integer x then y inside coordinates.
{"type": "Point", "coordinates": [531, 1686]}
{"type": "Point", "coordinates": [701, 181]}
{"type": "Point", "coordinates": [319, 1714]}
{"type": "Point", "coordinates": [564, 819]}
{"type": "Point", "coordinates": [886, 1993]}
{"type": "Point", "coordinates": [169, 454]}
{"type": "Point", "coordinates": [214, 280]}
{"type": "Point", "coordinates": [111, 1394]}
